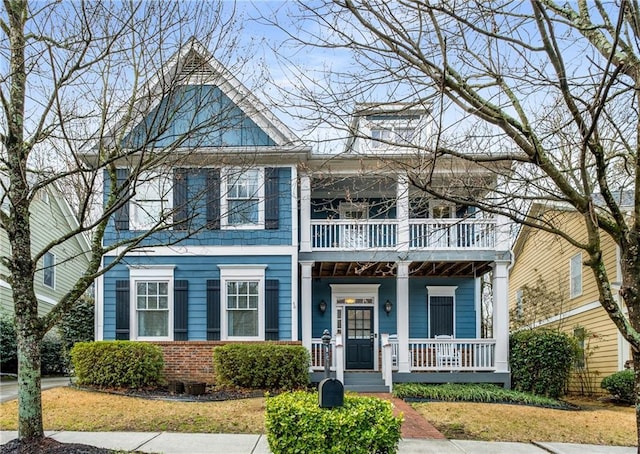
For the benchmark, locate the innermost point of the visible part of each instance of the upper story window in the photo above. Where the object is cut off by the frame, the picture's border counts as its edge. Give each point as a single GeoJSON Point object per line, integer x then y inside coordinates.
{"type": "Point", "coordinates": [152, 200]}
{"type": "Point", "coordinates": [243, 199]}
{"type": "Point", "coordinates": [575, 276]}
{"type": "Point", "coordinates": [49, 270]}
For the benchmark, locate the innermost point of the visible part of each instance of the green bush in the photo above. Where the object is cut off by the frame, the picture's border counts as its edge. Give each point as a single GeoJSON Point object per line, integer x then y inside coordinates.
{"type": "Point", "coordinates": [262, 366]}
{"type": "Point", "coordinates": [541, 361]}
{"type": "Point", "coordinates": [117, 364]}
{"type": "Point", "coordinates": [364, 425]}
{"type": "Point", "coordinates": [53, 360]}
{"type": "Point", "coordinates": [77, 325]}
{"type": "Point", "coordinates": [8, 344]}
{"type": "Point", "coordinates": [620, 385]}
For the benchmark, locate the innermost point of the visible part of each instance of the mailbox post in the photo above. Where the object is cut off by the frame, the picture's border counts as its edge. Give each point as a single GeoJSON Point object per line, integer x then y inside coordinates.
{"type": "Point", "coordinates": [330, 390]}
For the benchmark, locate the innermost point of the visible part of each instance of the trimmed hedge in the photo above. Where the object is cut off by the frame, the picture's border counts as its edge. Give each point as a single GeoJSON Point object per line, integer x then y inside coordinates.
{"type": "Point", "coordinates": [541, 361]}
{"type": "Point", "coordinates": [364, 425]}
{"type": "Point", "coordinates": [620, 385]}
{"type": "Point", "coordinates": [118, 364]}
{"type": "Point", "coordinates": [262, 366]}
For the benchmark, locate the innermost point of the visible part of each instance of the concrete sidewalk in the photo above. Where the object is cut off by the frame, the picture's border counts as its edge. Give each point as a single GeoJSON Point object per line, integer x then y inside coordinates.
{"type": "Point", "coordinates": [180, 443]}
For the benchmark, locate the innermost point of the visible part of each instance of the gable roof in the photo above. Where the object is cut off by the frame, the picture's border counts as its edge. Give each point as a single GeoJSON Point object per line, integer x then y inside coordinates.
{"type": "Point", "coordinates": [193, 64]}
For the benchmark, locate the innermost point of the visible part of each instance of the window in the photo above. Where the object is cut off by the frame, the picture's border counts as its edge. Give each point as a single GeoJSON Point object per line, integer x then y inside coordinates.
{"type": "Point", "coordinates": [49, 270]}
{"type": "Point", "coordinates": [244, 201]}
{"type": "Point", "coordinates": [575, 279]}
{"type": "Point", "coordinates": [380, 138]}
{"type": "Point", "coordinates": [243, 296]}
{"type": "Point", "coordinates": [441, 311]}
{"type": "Point", "coordinates": [152, 308]}
{"type": "Point", "coordinates": [519, 308]}
{"type": "Point", "coordinates": [152, 200]}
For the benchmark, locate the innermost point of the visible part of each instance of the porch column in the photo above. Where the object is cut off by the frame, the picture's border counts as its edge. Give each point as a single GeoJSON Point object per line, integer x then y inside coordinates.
{"type": "Point", "coordinates": [305, 213]}
{"type": "Point", "coordinates": [501, 314]}
{"type": "Point", "coordinates": [402, 314]}
{"type": "Point", "coordinates": [402, 212]}
{"type": "Point", "coordinates": [305, 303]}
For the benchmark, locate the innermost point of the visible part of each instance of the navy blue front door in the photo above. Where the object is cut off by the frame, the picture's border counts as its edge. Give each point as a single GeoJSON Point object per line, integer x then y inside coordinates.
{"type": "Point", "coordinates": [359, 342]}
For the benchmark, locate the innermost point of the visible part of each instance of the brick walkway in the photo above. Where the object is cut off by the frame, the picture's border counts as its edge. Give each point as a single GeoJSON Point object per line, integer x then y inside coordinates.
{"type": "Point", "coordinates": [414, 425]}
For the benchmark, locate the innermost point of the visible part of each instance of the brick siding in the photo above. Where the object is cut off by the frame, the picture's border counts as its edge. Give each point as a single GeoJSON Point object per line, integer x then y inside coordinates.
{"type": "Point", "coordinates": [193, 360]}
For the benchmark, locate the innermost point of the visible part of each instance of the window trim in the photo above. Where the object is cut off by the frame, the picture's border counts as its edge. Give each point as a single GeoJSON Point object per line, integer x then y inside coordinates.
{"type": "Point", "coordinates": [144, 274]}
{"type": "Point", "coordinates": [49, 268]}
{"type": "Point", "coordinates": [242, 273]}
{"type": "Point", "coordinates": [575, 291]}
{"type": "Point", "coordinates": [224, 198]}
{"type": "Point", "coordinates": [166, 181]}
{"type": "Point", "coordinates": [441, 290]}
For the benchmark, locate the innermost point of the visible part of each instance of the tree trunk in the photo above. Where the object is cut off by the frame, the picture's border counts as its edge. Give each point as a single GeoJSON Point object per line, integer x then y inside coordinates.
{"type": "Point", "coordinates": [29, 375]}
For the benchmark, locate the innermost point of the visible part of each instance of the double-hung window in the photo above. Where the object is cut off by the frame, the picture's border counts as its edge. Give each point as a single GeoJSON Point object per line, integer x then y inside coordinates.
{"type": "Point", "coordinates": [575, 276]}
{"type": "Point", "coordinates": [243, 201]}
{"type": "Point", "coordinates": [49, 270]}
{"type": "Point", "coordinates": [152, 200]}
{"type": "Point", "coordinates": [243, 297]}
{"type": "Point", "coordinates": [152, 308]}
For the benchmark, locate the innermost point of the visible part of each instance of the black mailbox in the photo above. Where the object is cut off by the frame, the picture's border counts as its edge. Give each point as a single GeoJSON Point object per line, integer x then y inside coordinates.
{"type": "Point", "coordinates": [331, 393]}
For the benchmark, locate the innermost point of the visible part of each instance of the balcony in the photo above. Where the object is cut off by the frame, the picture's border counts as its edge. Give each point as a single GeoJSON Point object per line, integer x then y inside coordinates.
{"type": "Point", "coordinates": [384, 234]}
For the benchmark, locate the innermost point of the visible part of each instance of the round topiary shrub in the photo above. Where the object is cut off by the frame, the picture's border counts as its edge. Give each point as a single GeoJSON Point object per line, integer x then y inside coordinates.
{"type": "Point", "coordinates": [541, 361]}
{"type": "Point", "coordinates": [620, 385]}
{"type": "Point", "coordinates": [364, 425]}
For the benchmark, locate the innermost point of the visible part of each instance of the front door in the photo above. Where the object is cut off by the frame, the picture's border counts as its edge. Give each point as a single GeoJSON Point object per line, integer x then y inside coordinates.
{"type": "Point", "coordinates": [360, 339]}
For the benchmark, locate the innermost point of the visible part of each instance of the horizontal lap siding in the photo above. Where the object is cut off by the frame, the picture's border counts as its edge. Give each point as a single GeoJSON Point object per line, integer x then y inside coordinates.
{"type": "Point", "coordinates": [197, 270]}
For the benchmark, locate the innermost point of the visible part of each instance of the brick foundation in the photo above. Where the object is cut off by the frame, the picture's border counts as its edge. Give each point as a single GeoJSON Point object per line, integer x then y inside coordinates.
{"type": "Point", "coordinates": [193, 360]}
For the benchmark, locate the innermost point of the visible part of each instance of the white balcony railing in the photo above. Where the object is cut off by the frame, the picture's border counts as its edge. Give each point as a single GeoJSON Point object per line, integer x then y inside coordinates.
{"type": "Point", "coordinates": [452, 354]}
{"type": "Point", "coordinates": [382, 234]}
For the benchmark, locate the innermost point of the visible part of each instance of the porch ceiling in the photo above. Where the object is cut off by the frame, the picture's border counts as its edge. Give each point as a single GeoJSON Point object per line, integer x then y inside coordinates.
{"type": "Point", "coordinates": [388, 269]}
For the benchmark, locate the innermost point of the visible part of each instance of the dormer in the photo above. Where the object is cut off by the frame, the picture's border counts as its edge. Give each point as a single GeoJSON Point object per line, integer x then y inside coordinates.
{"type": "Point", "coordinates": [394, 128]}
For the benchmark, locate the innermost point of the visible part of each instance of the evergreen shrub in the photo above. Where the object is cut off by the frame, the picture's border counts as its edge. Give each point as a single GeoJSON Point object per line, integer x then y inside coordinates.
{"type": "Point", "coordinates": [620, 385]}
{"type": "Point", "coordinates": [364, 425]}
{"type": "Point", "coordinates": [262, 366]}
{"type": "Point", "coordinates": [117, 364]}
{"type": "Point", "coordinates": [541, 361]}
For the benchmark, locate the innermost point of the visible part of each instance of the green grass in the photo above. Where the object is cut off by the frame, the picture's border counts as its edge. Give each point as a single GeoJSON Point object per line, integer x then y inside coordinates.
{"type": "Point", "coordinates": [485, 393]}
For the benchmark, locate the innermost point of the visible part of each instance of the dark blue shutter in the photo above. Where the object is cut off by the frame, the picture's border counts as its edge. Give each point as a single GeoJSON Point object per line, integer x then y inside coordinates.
{"type": "Point", "coordinates": [213, 199]}
{"type": "Point", "coordinates": [271, 198]}
{"type": "Point", "coordinates": [122, 214]}
{"type": "Point", "coordinates": [271, 309]}
{"type": "Point", "coordinates": [180, 200]}
{"type": "Point", "coordinates": [213, 309]}
{"type": "Point", "coordinates": [122, 310]}
{"type": "Point", "coordinates": [180, 309]}
{"type": "Point", "coordinates": [441, 316]}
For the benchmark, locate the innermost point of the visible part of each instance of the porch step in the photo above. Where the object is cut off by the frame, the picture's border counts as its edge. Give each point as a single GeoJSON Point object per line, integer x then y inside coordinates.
{"type": "Point", "coordinates": [364, 382]}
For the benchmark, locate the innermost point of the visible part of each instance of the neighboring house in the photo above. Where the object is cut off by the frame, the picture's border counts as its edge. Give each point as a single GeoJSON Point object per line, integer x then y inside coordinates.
{"type": "Point", "coordinates": [51, 218]}
{"type": "Point", "coordinates": [549, 277]}
{"type": "Point", "coordinates": [290, 243]}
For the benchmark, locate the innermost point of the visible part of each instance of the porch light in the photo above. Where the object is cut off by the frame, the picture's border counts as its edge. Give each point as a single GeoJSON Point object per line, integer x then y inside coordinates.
{"type": "Point", "coordinates": [322, 306]}
{"type": "Point", "coordinates": [387, 307]}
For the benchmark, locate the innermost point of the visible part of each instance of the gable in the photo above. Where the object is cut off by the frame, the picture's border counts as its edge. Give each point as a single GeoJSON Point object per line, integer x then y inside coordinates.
{"type": "Point", "coordinates": [197, 116]}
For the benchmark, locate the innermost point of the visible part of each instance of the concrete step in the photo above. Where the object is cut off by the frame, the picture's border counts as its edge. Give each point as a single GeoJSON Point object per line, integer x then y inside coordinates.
{"type": "Point", "coordinates": [363, 378]}
{"type": "Point", "coordinates": [367, 388]}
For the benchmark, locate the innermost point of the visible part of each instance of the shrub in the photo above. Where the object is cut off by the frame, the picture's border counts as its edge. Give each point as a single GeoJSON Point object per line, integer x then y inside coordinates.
{"type": "Point", "coordinates": [262, 366]}
{"type": "Point", "coordinates": [620, 385]}
{"type": "Point", "coordinates": [8, 344]}
{"type": "Point", "coordinates": [296, 423]}
{"type": "Point", "coordinates": [541, 361]}
{"type": "Point", "coordinates": [53, 360]}
{"type": "Point", "coordinates": [117, 364]}
{"type": "Point", "coordinates": [77, 325]}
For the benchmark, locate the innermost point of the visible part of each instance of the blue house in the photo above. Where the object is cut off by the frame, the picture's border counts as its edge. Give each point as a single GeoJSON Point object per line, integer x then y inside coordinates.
{"type": "Point", "coordinates": [265, 240]}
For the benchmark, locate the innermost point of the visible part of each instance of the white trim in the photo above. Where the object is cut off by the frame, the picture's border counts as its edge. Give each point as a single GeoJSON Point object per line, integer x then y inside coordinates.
{"type": "Point", "coordinates": [571, 313]}
{"type": "Point", "coordinates": [441, 290]}
{"type": "Point", "coordinates": [339, 291]}
{"type": "Point", "coordinates": [155, 251]}
{"type": "Point", "coordinates": [145, 273]}
{"type": "Point", "coordinates": [237, 273]}
{"type": "Point", "coordinates": [39, 297]}
{"type": "Point", "coordinates": [99, 308]}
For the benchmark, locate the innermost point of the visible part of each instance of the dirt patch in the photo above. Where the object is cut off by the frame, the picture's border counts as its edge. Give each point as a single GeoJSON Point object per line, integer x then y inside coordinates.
{"type": "Point", "coordinates": [48, 445]}
{"type": "Point", "coordinates": [162, 393]}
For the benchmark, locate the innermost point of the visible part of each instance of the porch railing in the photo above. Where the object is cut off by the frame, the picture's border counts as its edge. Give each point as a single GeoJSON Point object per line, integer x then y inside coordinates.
{"type": "Point", "coordinates": [452, 354]}
{"type": "Point", "coordinates": [317, 355]}
{"type": "Point", "coordinates": [382, 234]}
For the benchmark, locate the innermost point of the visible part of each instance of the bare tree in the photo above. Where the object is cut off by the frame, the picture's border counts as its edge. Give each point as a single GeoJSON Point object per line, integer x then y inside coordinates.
{"type": "Point", "coordinates": [78, 92]}
{"type": "Point", "coordinates": [549, 88]}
